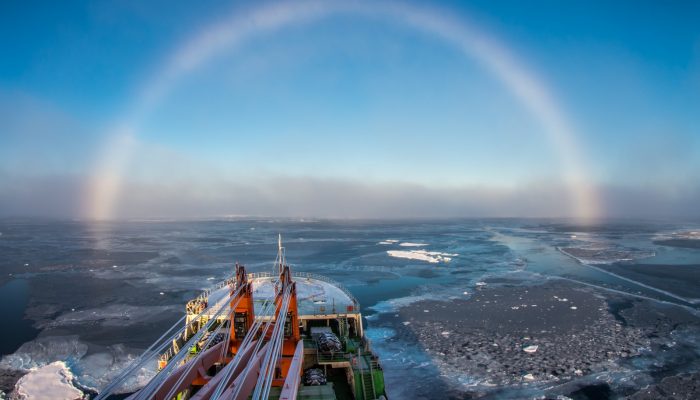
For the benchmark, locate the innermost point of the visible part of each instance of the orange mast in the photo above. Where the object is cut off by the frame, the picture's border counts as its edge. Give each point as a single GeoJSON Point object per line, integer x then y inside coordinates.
{"type": "Point", "coordinates": [244, 314]}
{"type": "Point", "coordinates": [292, 335]}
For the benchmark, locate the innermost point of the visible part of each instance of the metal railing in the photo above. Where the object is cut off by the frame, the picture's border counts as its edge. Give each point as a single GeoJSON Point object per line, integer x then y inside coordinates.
{"type": "Point", "coordinates": [204, 295]}
{"type": "Point", "coordinates": [331, 357]}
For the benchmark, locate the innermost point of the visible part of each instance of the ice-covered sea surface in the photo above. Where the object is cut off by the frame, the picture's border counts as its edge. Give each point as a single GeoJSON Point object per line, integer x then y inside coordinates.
{"type": "Point", "coordinates": [92, 296]}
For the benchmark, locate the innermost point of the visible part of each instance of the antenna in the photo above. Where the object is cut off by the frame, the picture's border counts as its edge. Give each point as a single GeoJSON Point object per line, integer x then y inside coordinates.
{"type": "Point", "coordinates": [280, 254]}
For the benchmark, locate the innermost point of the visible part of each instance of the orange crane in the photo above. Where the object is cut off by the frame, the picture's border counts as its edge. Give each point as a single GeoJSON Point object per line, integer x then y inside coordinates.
{"type": "Point", "coordinates": [255, 356]}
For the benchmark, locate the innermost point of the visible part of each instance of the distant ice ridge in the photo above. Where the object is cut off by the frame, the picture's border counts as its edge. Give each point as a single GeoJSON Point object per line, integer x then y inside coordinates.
{"type": "Point", "coordinates": [50, 382]}
{"type": "Point", "coordinates": [433, 257]}
{"type": "Point", "coordinates": [597, 253]}
{"type": "Point", "coordinates": [686, 235]}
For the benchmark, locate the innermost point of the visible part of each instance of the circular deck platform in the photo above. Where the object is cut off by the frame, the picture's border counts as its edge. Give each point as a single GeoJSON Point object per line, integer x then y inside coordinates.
{"type": "Point", "coordinates": [316, 294]}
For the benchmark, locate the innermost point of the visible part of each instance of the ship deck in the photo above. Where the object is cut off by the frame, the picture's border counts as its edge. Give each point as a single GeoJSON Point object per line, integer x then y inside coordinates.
{"type": "Point", "coordinates": [316, 295]}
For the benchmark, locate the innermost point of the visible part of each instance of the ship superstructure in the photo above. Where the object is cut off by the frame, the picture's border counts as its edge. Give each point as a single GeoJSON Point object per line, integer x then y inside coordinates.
{"type": "Point", "coordinates": [277, 335]}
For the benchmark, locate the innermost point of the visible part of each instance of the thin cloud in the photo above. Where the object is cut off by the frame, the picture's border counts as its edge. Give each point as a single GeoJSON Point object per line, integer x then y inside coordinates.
{"type": "Point", "coordinates": [61, 196]}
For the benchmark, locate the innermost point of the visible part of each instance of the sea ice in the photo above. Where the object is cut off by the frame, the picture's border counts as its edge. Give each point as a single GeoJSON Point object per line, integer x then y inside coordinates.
{"type": "Point", "coordinates": [376, 334]}
{"type": "Point", "coordinates": [530, 349]}
{"type": "Point", "coordinates": [600, 253]}
{"type": "Point", "coordinates": [432, 257]}
{"type": "Point", "coordinates": [88, 370]}
{"type": "Point", "coordinates": [392, 305]}
{"type": "Point", "coordinates": [96, 370]}
{"type": "Point", "coordinates": [43, 351]}
{"type": "Point", "coordinates": [112, 315]}
{"type": "Point", "coordinates": [50, 382]}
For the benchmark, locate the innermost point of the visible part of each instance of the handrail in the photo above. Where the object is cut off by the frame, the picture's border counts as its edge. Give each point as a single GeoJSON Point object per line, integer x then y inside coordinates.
{"type": "Point", "coordinates": [362, 374]}
{"type": "Point", "coordinates": [204, 295]}
{"type": "Point", "coordinates": [336, 357]}
{"type": "Point", "coordinates": [371, 377]}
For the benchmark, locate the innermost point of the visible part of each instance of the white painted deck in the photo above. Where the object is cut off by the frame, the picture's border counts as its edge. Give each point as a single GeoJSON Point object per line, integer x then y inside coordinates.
{"type": "Point", "coordinates": [316, 295]}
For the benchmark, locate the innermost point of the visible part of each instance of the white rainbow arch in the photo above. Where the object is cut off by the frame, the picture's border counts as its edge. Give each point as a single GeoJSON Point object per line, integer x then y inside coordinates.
{"type": "Point", "coordinates": [104, 189]}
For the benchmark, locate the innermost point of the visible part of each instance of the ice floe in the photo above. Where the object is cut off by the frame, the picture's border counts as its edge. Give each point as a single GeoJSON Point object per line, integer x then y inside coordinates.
{"type": "Point", "coordinates": [96, 370]}
{"type": "Point", "coordinates": [411, 244]}
{"type": "Point", "coordinates": [433, 257]}
{"type": "Point", "coordinates": [393, 305]}
{"type": "Point", "coordinates": [531, 349]}
{"type": "Point", "coordinates": [388, 241]}
{"type": "Point", "coordinates": [50, 382]}
{"type": "Point", "coordinates": [88, 371]}
{"type": "Point", "coordinates": [43, 351]}
{"type": "Point", "coordinates": [112, 315]}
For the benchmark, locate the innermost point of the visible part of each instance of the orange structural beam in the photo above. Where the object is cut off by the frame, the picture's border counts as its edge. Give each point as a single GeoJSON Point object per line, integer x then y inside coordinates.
{"type": "Point", "coordinates": [247, 379]}
{"type": "Point", "coordinates": [290, 388]}
{"type": "Point", "coordinates": [244, 313]}
{"type": "Point", "coordinates": [292, 336]}
{"type": "Point", "coordinates": [246, 355]}
{"type": "Point", "coordinates": [191, 372]}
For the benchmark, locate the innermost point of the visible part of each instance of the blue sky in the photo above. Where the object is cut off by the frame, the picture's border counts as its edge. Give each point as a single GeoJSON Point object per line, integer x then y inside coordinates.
{"type": "Point", "coordinates": [359, 105]}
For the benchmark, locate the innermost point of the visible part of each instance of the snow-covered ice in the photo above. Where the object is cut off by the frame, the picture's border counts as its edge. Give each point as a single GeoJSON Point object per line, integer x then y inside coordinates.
{"type": "Point", "coordinates": [433, 257]}
{"type": "Point", "coordinates": [531, 349]}
{"type": "Point", "coordinates": [50, 382]}
{"type": "Point", "coordinates": [411, 244]}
